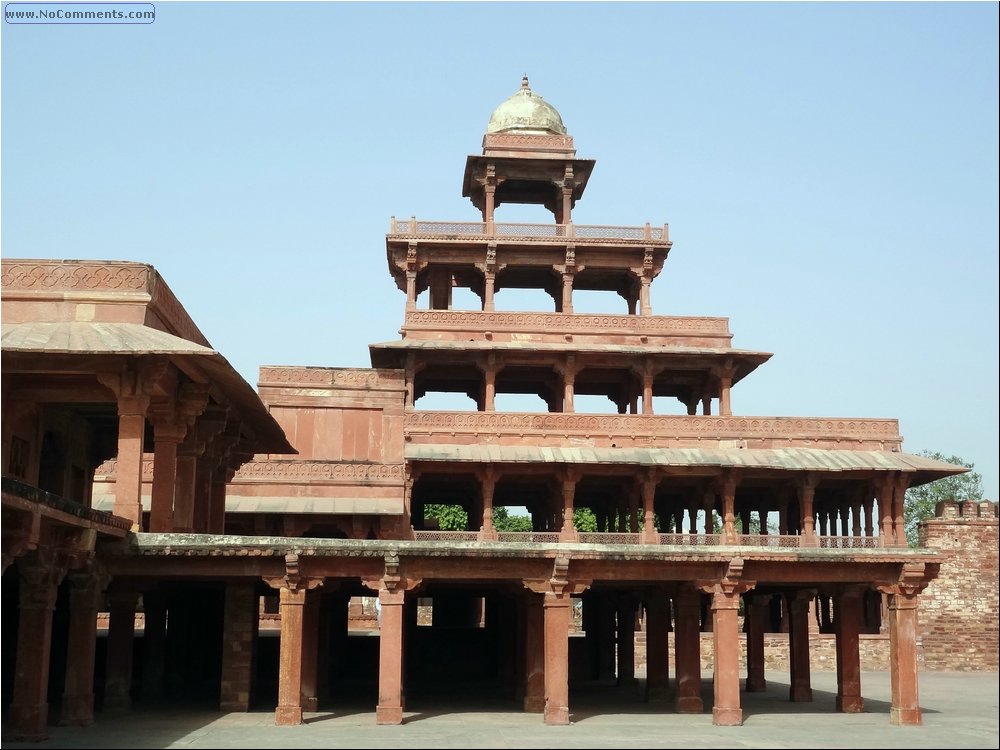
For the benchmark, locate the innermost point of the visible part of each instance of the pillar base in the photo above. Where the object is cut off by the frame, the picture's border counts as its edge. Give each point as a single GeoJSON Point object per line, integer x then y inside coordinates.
{"type": "Point", "coordinates": [288, 716]}
{"type": "Point", "coordinates": [850, 704]}
{"type": "Point", "coordinates": [310, 704]}
{"type": "Point", "coordinates": [557, 715]}
{"type": "Point", "coordinates": [77, 711]}
{"type": "Point", "coordinates": [800, 694]}
{"type": "Point", "coordinates": [690, 705]}
{"type": "Point", "coordinates": [727, 717]}
{"type": "Point", "coordinates": [388, 715]}
{"type": "Point", "coordinates": [117, 704]}
{"type": "Point", "coordinates": [906, 717]}
{"type": "Point", "coordinates": [534, 704]}
{"type": "Point", "coordinates": [569, 536]}
{"type": "Point", "coordinates": [659, 694]}
{"type": "Point", "coordinates": [29, 723]}
{"type": "Point", "coordinates": [756, 685]}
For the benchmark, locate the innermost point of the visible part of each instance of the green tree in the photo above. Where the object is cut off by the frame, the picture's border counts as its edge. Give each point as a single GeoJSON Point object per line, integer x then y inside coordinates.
{"type": "Point", "coordinates": [920, 501]}
{"type": "Point", "coordinates": [449, 517]}
{"type": "Point", "coordinates": [503, 521]}
{"type": "Point", "coordinates": [584, 520]}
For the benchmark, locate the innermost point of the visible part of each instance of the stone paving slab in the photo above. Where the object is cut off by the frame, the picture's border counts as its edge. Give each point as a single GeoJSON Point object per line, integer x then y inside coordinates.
{"type": "Point", "coordinates": [961, 710]}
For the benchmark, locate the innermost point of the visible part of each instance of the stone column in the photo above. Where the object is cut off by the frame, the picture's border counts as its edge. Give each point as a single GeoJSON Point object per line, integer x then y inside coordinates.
{"type": "Point", "coordinates": [687, 653]}
{"type": "Point", "coordinates": [726, 711]}
{"type": "Point", "coordinates": [310, 651]}
{"type": "Point", "coordinates": [489, 385]}
{"type": "Point", "coordinates": [905, 707]}
{"type": "Point", "coordinates": [154, 644]}
{"type": "Point", "coordinates": [645, 308]}
{"type": "Point", "coordinates": [184, 492]}
{"type": "Point", "coordinates": [847, 624]}
{"type": "Point", "coordinates": [868, 505]}
{"type": "Point", "coordinates": [239, 638]}
{"type": "Point", "coordinates": [706, 406]}
{"type": "Point", "coordinates": [411, 290]}
{"type": "Point", "coordinates": [708, 503]}
{"type": "Point", "coordinates": [757, 609]}
{"type": "Point", "coordinates": [657, 650]}
{"type": "Point", "coordinates": [534, 646]}
{"type": "Point", "coordinates": [725, 386]}
{"type": "Point", "coordinates": [557, 620]}
{"type": "Point", "coordinates": [84, 602]}
{"type": "Point", "coordinates": [568, 531]}
{"type": "Point", "coordinates": [167, 436]}
{"type": "Point", "coordinates": [647, 391]}
{"type": "Point", "coordinates": [289, 710]}
{"type": "Point", "coordinates": [488, 480]}
{"type": "Point", "coordinates": [898, 523]}
{"type": "Point", "coordinates": [121, 641]}
{"type": "Point", "coordinates": [798, 646]}
{"type": "Point", "coordinates": [649, 532]}
{"type": "Point", "coordinates": [567, 293]}
{"type": "Point", "coordinates": [885, 490]}
{"type": "Point", "coordinates": [626, 640]}
{"type": "Point", "coordinates": [807, 491]}
{"type": "Point", "coordinates": [727, 490]}
{"type": "Point", "coordinates": [390, 664]}
{"type": "Point", "coordinates": [29, 708]}
{"type": "Point", "coordinates": [128, 475]}
{"type": "Point", "coordinates": [569, 384]}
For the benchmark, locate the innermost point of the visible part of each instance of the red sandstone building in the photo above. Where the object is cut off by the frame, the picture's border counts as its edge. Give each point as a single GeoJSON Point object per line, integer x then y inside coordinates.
{"type": "Point", "coordinates": [211, 498]}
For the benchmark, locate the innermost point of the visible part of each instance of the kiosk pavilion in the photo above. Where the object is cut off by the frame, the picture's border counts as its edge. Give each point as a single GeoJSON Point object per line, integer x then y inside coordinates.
{"type": "Point", "coordinates": [314, 488]}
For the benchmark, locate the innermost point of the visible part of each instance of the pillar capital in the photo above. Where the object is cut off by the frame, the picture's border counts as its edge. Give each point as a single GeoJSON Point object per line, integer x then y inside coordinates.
{"type": "Point", "coordinates": [559, 583]}
{"type": "Point", "coordinates": [293, 579]}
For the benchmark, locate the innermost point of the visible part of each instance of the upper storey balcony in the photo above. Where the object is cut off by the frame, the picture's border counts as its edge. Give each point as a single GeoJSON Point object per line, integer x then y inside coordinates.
{"type": "Point", "coordinates": [464, 231]}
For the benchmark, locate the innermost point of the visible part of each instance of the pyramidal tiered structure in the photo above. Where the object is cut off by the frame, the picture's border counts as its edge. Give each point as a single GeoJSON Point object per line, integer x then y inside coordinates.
{"type": "Point", "coordinates": [294, 504]}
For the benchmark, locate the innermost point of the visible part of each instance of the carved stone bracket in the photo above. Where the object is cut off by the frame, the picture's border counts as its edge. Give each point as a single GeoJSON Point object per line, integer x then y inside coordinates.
{"type": "Point", "coordinates": [559, 583]}
{"type": "Point", "coordinates": [394, 579]}
{"type": "Point", "coordinates": [913, 579]}
{"type": "Point", "coordinates": [293, 580]}
{"type": "Point", "coordinates": [731, 585]}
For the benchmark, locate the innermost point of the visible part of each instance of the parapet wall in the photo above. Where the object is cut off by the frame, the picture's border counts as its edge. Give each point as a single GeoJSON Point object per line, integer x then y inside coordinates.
{"type": "Point", "coordinates": [959, 624]}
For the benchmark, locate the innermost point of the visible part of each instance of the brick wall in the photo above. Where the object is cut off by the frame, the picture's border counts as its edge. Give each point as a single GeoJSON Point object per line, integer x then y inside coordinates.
{"type": "Point", "coordinates": [959, 625]}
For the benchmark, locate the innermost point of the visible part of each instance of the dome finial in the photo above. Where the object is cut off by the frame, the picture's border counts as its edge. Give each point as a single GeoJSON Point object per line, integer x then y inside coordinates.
{"type": "Point", "coordinates": [524, 81]}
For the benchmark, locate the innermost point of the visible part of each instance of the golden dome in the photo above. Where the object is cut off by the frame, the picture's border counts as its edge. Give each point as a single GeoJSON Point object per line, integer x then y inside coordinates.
{"type": "Point", "coordinates": [526, 112]}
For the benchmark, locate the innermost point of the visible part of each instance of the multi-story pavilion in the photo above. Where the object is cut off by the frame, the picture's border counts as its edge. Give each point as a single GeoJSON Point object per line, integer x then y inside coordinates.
{"type": "Point", "coordinates": [706, 521]}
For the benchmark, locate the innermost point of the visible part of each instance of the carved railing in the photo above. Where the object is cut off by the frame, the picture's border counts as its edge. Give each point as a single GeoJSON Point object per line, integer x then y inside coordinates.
{"type": "Point", "coordinates": [608, 537]}
{"type": "Point", "coordinates": [536, 537]}
{"type": "Point", "coordinates": [446, 536]}
{"type": "Point", "coordinates": [691, 540]}
{"type": "Point", "coordinates": [459, 229]}
{"type": "Point", "coordinates": [653, 430]}
{"type": "Point", "coordinates": [849, 542]}
{"type": "Point", "coordinates": [17, 488]}
{"type": "Point", "coordinates": [769, 540]}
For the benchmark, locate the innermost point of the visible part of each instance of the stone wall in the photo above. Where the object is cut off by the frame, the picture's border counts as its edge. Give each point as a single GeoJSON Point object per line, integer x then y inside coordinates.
{"type": "Point", "coordinates": [959, 624]}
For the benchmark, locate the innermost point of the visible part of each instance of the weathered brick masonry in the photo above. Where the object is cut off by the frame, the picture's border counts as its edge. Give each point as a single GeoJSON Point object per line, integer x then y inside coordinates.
{"type": "Point", "coordinates": [958, 611]}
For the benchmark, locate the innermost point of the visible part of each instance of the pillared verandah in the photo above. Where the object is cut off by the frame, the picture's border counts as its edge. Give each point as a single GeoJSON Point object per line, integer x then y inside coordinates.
{"type": "Point", "coordinates": [141, 473]}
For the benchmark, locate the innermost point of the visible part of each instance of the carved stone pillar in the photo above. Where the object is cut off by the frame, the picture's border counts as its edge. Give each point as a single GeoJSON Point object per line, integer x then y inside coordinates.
{"type": "Point", "coordinates": [847, 624]}
{"type": "Point", "coordinates": [128, 475]}
{"type": "Point", "coordinates": [903, 626]}
{"type": "Point", "coordinates": [807, 491]}
{"type": "Point", "coordinates": [626, 640]}
{"type": "Point", "coordinates": [390, 668]}
{"type": "Point", "coordinates": [657, 646]}
{"type": "Point", "coordinates": [649, 531]}
{"type": "Point", "coordinates": [557, 620]}
{"type": "Point", "coordinates": [567, 293]}
{"type": "Point", "coordinates": [569, 383]}
{"type": "Point", "coordinates": [885, 492]}
{"type": "Point", "coordinates": [293, 588]}
{"type": "Point", "coordinates": [489, 384]}
{"type": "Point", "coordinates": [534, 657]}
{"type": "Point", "coordinates": [239, 638]}
{"type": "Point", "coordinates": [84, 603]}
{"type": "Point", "coordinates": [687, 652]}
{"type": "Point", "coordinates": [154, 644]}
{"type": "Point", "coordinates": [647, 391]}
{"type": "Point", "coordinates": [800, 689]}
{"type": "Point", "coordinates": [488, 482]}
{"type": "Point", "coordinates": [898, 523]}
{"type": "Point", "coordinates": [166, 437]}
{"type": "Point", "coordinates": [310, 651]}
{"type": "Point", "coordinates": [121, 640]}
{"type": "Point", "coordinates": [727, 491]}
{"type": "Point", "coordinates": [568, 531]}
{"type": "Point", "coordinates": [645, 308]}
{"type": "Point", "coordinates": [757, 608]}
{"type": "Point", "coordinates": [29, 708]}
{"type": "Point", "coordinates": [726, 711]}
{"type": "Point", "coordinates": [411, 290]}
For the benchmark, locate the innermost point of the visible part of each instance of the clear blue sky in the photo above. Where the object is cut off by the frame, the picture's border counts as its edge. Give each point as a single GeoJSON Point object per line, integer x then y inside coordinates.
{"type": "Point", "coordinates": [829, 172]}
